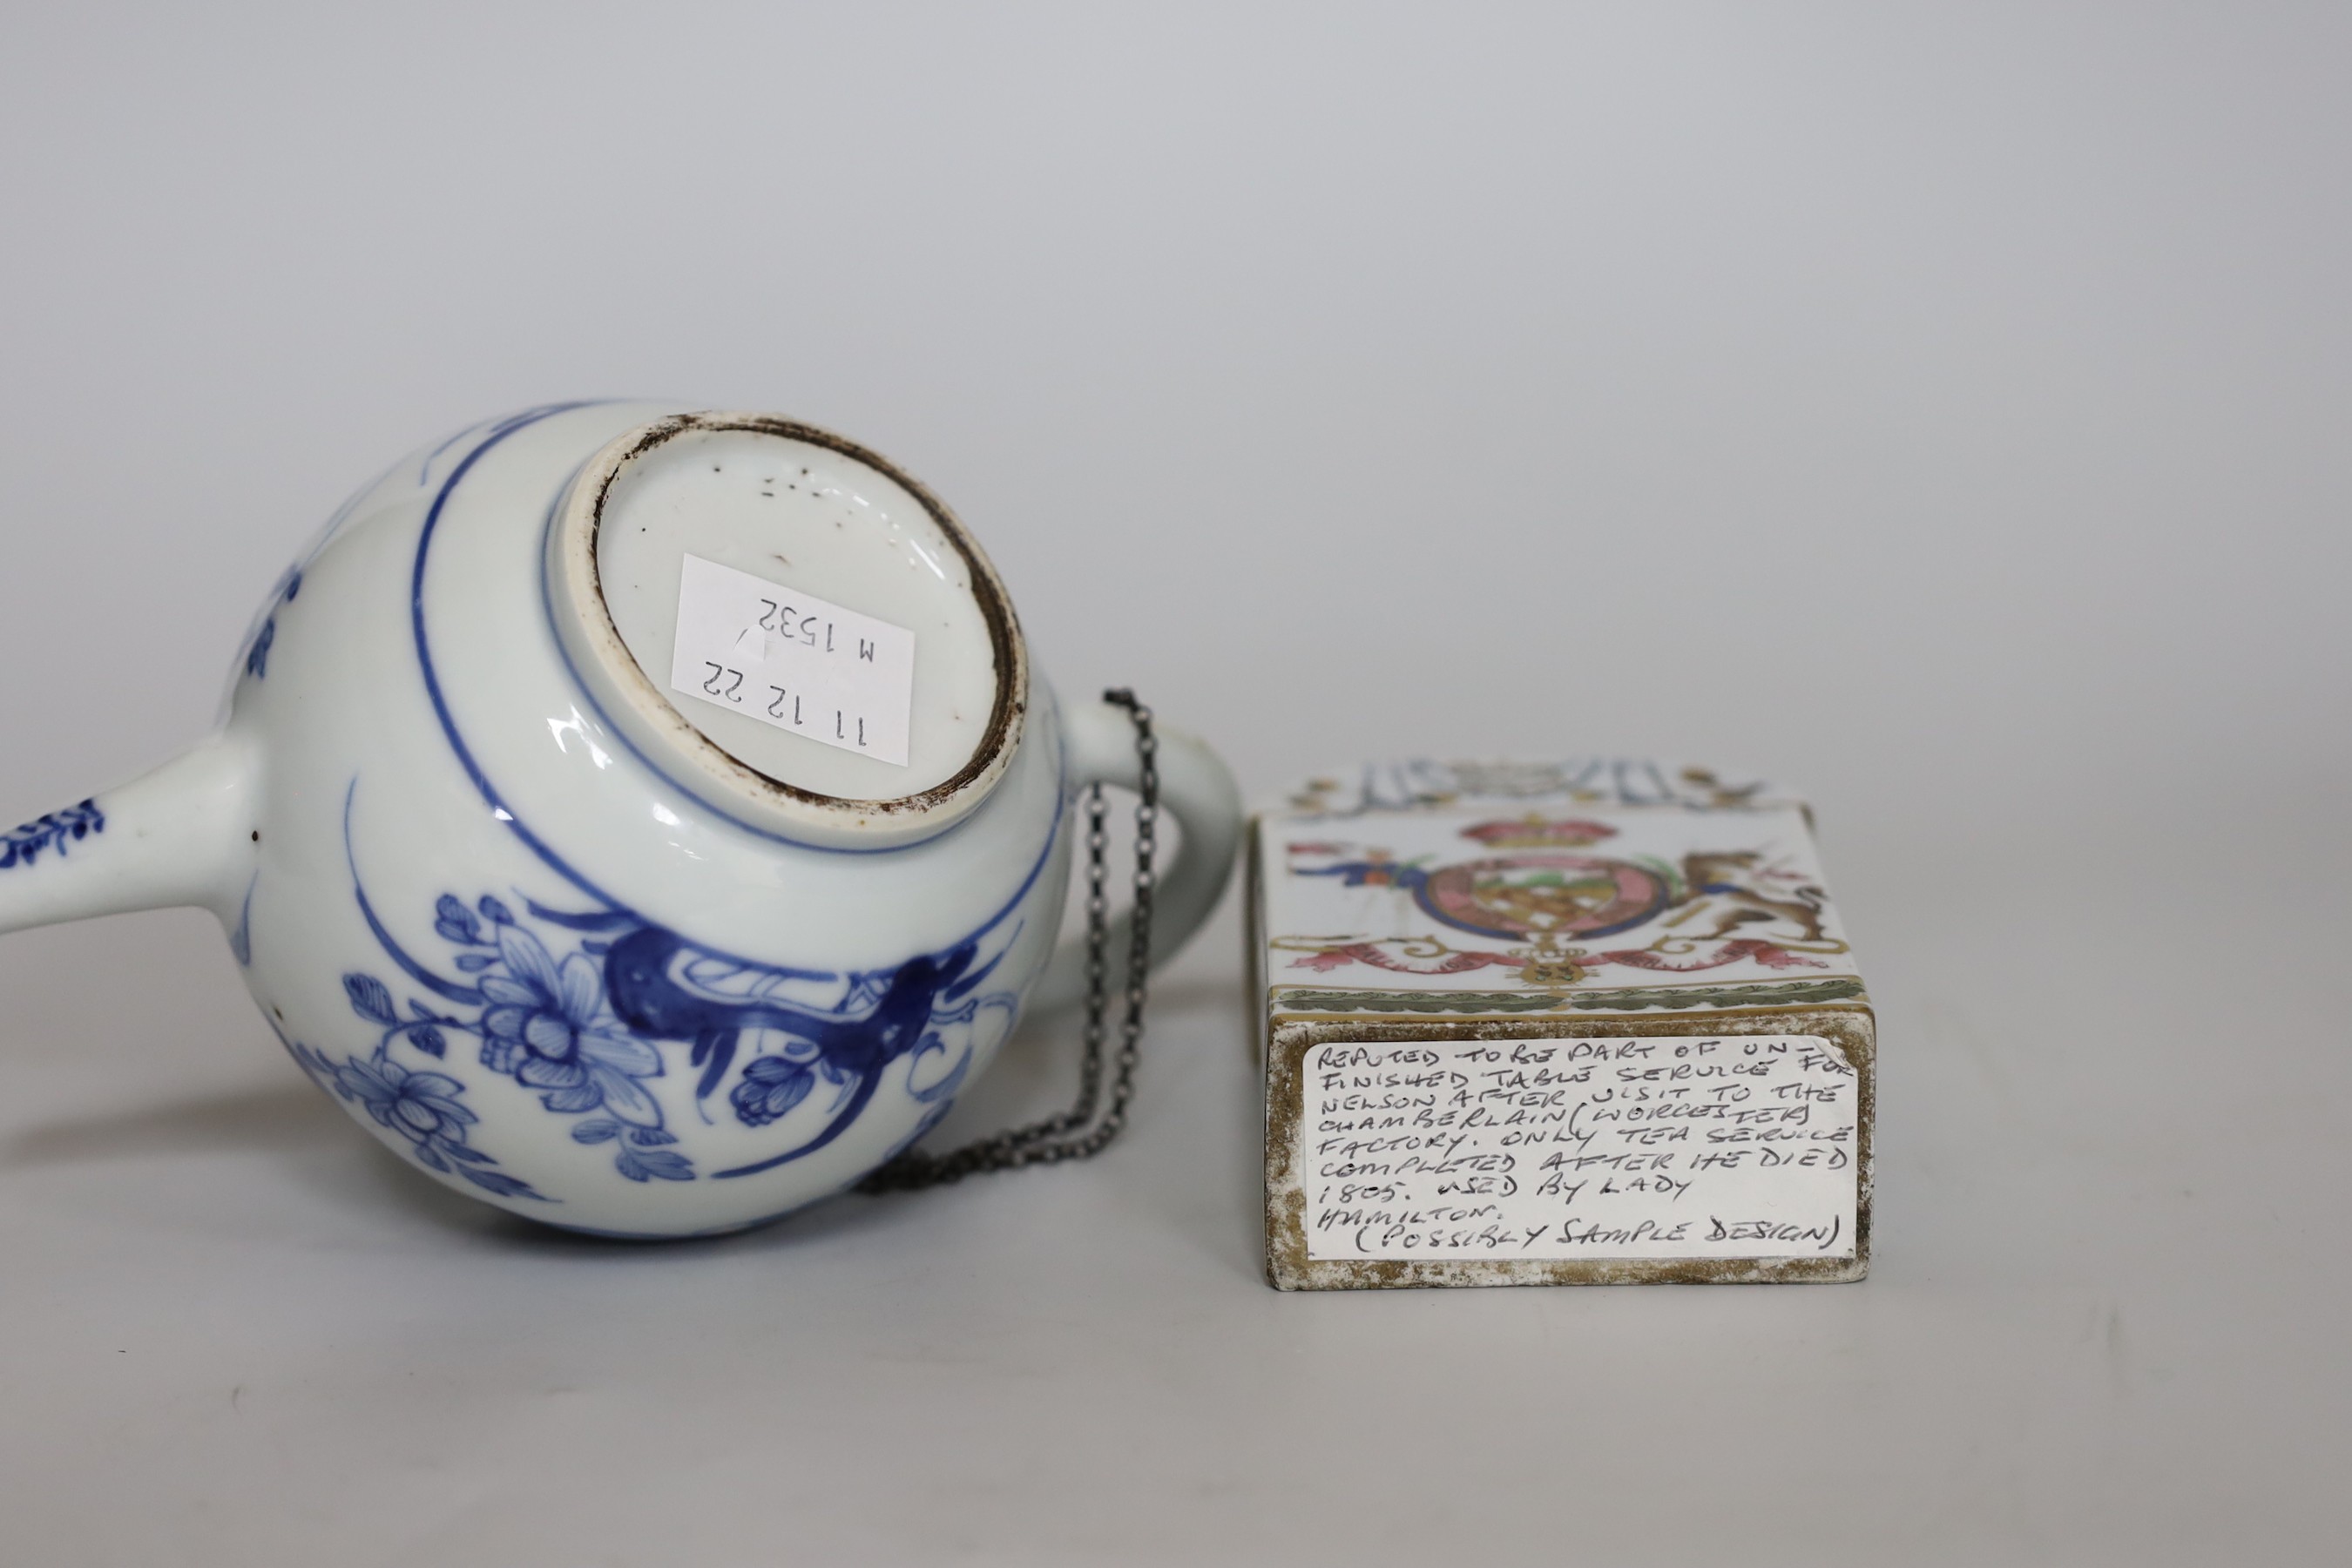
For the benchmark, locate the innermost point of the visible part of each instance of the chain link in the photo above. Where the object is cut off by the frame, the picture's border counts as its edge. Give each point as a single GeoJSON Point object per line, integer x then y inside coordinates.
{"type": "Point", "coordinates": [1052, 1141]}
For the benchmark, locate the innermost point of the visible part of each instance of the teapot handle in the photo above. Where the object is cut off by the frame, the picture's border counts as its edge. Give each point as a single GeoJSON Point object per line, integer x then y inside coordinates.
{"type": "Point", "coordinates": [1196, 789]}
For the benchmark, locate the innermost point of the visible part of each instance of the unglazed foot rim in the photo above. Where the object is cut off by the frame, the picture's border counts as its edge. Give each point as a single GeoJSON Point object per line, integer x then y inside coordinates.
{"type": "Point", "coordinates": [756, 787]}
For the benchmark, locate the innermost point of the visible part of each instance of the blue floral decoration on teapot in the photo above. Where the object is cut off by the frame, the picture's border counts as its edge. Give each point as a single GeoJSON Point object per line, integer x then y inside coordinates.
{"type": "Point", "coordinates": [52, 830]}
{"type": "Point", "coordinates": [425, 1107]}
{"type": "Point", "coordinates": [584, 1028]}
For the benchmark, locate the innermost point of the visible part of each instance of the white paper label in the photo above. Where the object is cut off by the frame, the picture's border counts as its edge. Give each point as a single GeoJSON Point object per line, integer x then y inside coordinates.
{"type": "Point", "coordinates": [792, 660]}
{"type": "Point", "coordinates": [1659, 1146]}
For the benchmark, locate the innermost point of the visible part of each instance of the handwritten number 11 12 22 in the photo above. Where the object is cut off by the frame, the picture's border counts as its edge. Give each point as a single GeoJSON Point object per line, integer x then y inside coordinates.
{"type": "Point", "coordinates": [727, 685]}
{"type": "Point", "coordinates": [780, 655]}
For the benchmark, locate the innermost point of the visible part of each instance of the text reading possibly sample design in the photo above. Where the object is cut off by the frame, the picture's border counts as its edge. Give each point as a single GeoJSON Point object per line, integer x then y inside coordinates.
{"type": "Point", "coordinates": [794, 661]}
{"type": "Point", "coordinates": [1659, 1146]}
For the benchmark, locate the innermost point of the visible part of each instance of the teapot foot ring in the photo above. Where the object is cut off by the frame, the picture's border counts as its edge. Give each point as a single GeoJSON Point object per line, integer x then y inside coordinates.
{"type": "Point", "coordinates": [790, 626]}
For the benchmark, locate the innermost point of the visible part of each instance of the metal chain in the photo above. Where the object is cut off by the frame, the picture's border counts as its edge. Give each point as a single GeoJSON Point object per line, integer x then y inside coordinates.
{"type": "Point", "coordinates": [1050, 1141]}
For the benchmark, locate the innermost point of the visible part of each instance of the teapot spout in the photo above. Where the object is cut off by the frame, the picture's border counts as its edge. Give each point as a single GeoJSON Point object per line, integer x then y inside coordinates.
{"type": "Point", "coordinates": [169, 838]}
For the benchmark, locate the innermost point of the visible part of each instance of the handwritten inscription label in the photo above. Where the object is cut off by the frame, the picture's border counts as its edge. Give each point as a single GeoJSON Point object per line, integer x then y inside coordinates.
{"type": "Point", "coordinates": [792, 660]}
{"type": "Point", "coordinates": [1658, 1146]}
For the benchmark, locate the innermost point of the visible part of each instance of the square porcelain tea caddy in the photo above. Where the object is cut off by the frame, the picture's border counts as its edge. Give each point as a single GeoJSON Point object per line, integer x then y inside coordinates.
{"type": "Point", "coordinates": [1589, 1022]}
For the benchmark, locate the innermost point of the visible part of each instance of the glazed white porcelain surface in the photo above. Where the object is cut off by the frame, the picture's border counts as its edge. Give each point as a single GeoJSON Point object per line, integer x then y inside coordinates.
{"type": "Point", "coordinates": [771, 508]}
{"type": "Point", "coordinates": [576, 949]}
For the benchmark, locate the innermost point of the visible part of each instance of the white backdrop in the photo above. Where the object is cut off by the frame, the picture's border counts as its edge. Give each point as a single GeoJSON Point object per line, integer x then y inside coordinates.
{"type": "Point", "coordinates": [1941, 412]}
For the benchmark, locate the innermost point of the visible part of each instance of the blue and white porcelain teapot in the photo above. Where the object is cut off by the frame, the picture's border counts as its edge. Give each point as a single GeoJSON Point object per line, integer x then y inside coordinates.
{"type": "Point", "coordinates": [642, 819]}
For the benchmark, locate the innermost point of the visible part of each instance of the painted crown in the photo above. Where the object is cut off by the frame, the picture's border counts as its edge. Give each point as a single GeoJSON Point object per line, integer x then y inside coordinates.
{"type": "Point", "coordinates": [1533, 832]}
